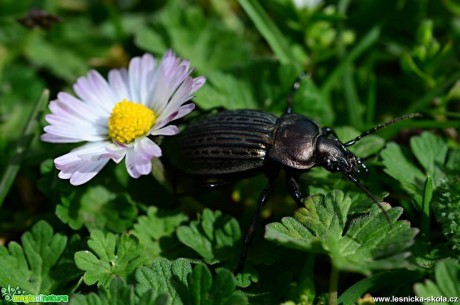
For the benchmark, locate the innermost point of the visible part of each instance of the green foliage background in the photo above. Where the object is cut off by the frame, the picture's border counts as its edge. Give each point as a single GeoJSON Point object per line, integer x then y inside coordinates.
{"type": "Point", "coordinates": [117, 240]}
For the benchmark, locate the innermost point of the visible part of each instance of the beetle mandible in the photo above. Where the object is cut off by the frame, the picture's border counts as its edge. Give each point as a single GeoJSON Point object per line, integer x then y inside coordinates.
{"type": "Point", "coordinates": [235, 143]}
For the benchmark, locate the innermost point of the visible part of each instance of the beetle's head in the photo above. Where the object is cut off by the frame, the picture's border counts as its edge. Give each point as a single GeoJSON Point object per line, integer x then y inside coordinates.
{"type": "Point", "coordinates": [335, 157]}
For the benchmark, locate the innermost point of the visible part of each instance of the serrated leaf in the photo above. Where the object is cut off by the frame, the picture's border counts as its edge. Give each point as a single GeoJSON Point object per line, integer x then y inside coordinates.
{"type": "Point", "coordinates": [189, 287]}
{"type": "Point", "coordinates": [365, 244]}
{"type": "Point", "coordinates": [398, 165]}
{"type": "Point", "coordinates": [213, 237]}
{"type": "Point", "coordinates": [165, 277]}
{"type": "Point", "coordinates": [98, 208]}
{"type": "Point", "coordinates": [112, 256]}
{"type": "Point", "coordinates": [155, 231]}
{"type": "Point", "coordinates": [119, 293]}
{"type": "Point", "coordinates": [32, 267]}
{"type": "Point", "coordinates": [206, 291]}
{"type": "Point", "coordinates": [446, 207]}
{"type": "Point", "coordinates": [447, 282]}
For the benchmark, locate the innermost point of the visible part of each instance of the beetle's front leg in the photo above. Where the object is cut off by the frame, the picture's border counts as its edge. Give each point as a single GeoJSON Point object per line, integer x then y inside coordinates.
{"type": "Point", "coordinates": [294, 189]}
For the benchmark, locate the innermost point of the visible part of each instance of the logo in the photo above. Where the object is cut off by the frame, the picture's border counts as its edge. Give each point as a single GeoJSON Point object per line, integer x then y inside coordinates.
{"type": "Point", "coordinates": [18, 295]}
{"type": "Point", "coordinates": [9, 292]}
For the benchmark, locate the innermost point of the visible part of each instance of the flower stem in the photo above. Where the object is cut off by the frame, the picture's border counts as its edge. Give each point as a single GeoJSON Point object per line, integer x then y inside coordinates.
{"type": "Point", "coordinates": [333, 285]}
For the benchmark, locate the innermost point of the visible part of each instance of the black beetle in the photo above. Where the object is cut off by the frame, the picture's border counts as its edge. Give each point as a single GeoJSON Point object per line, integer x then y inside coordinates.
{"type": "Point", "coordinates": [231, 144]}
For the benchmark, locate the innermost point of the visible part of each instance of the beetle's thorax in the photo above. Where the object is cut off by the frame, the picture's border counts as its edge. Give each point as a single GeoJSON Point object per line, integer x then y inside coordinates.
{"type": "Point", "coordinates": [335, 157]}
{"type": "Point", "coordinates": [294, 141]}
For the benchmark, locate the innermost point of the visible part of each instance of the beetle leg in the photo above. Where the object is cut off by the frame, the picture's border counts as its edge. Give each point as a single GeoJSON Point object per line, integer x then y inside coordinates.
{"type": "Point", "coordinates": [247, 240]}
{"type": "Point", "coordinates": [294, 189]}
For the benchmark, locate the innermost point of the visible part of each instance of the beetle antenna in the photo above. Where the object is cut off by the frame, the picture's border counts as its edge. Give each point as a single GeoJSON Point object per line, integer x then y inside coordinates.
{"type": "Point", "coordinates": [380, 126]}
{"type": "Point", "coordinates": [369, 194]}
{"type": "Point", "coordinates": [294, 89]}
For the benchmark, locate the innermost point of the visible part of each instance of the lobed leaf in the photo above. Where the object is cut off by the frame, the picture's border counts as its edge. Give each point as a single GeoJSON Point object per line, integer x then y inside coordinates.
{"type": "Point", "coordinates": [112, 256]}
{"type": "Point", "coordinates": [37, 265]}
{"type": "Point", "coordinates": [98, 208]}
{"type": "Point", "coordinates": [362, 245]}
{"type": "Point", "coordinates": [119, 293]}
{"type": "Point", "coordinates": [155, 231]}
{"type": "Point", "coordinates": [213, 236]}
{"type": "Point", "coordinates": [185, 285]}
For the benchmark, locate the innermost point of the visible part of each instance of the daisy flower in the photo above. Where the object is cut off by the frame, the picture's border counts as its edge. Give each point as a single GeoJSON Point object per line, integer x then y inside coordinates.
{"type": "Point", "coordinates": [116, 117]}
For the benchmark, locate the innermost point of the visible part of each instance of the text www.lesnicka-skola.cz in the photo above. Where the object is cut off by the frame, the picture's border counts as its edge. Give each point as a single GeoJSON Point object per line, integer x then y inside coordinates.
{"type": "Point", "coordinates": [413, 299]}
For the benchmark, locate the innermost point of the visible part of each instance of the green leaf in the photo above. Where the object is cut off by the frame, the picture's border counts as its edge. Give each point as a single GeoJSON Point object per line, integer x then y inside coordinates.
{"type": "Point", "coordinates": [186, 286]}
{"type": "Point", "coordinates": [50, 56]}
{"type": "Point", "coordinates": [213, 236]}
{"type": "Point", "coordinates": [155, 232]}
{"type": "Point", "coordinates": [119, 293]}
{"type": "Point", "coordinates": [204, 290]}
{"type": "Point", "coordinates": [397, 165]}
{"type": "Point", "coordinates": [447, 282]}
{"type": "Point", "coordinates": [36, 267]}
{"type": "Point", "coordinates": [446, 208]}
{"type": "Point", "coordinates": [431, 152]}
{"type": "Point", "coordinates": [112, 255]}
{"type": "Point", "coordinates": [98, 208]}
{"type": "Point", "coordinates": [165, 277]}
{"type": "Point", "coordinates": [224, 90]}
{"type": "Point", "coordinates": [365, 244]}
{"type": "Point", "coordinates": [193, 33]}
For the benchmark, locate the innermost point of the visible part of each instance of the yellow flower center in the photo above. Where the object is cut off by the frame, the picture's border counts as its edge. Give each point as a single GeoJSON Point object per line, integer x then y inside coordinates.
{"type": "Point", "coordinates": [129, 121]}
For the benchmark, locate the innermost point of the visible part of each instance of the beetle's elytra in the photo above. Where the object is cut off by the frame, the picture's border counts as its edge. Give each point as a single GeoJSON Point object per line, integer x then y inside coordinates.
{"type": "Point", "coordinates": [236, 143]}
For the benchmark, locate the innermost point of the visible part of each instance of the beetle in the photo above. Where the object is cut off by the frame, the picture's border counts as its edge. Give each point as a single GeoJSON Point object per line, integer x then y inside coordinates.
{"type": "Point", "coordinates": [232, 144]}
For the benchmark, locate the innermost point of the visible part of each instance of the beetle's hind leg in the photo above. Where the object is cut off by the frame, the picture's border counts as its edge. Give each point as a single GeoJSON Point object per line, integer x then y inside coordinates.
{"type": "Point", "coordinates": [247, 240]}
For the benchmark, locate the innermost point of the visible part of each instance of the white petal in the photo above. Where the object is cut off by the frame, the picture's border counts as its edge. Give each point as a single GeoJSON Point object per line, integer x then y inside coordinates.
{"type": "Point", "coordinates": [181, 96]}
{"type": "Point", "coordinates": [198, 82]}
{"type": "Point", "coordinates": [94, 90]}
{"type": "Point", "coordinates": [169, 130]}
{"type": "Point", "coordinates": [118, 81]}
{"type": "Point", "coordinates": [134, 78]}
{"type": "Point", "coordinates": [184, 110]}
{"type": "Point", "coordinates": [139, 159]}
{"type": "Point", "coordinates": [79, 170]}
{"type": "Point", "coordinates": [117, 152]}
{"type": "Point", "coordinates": [170, 75]}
